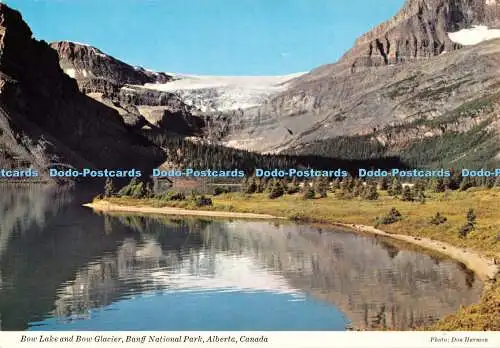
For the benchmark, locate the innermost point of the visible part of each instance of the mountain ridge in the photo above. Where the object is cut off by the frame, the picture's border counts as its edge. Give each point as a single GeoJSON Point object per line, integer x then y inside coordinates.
{"type": "Point", "coordinates": [45, 119]}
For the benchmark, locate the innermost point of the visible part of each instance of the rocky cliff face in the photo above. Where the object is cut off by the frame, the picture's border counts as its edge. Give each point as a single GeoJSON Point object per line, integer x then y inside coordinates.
{"type": "Point", "coordinates": [420, 30]}
{"type": "Point", "coordinates": [96, 71]}
{"type": "Point", "coordinates": [45, 119]}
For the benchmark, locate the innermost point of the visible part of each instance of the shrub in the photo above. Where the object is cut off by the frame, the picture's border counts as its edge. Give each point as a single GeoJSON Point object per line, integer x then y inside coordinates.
{"type": "Point", "coordinates": [292, 189]}
{"type": "Point", "coordinates": [163, 197]}
{"type": "Point", "coordinates": [177, 196]}
{"type": "Point", "coordinates": [465, 184]}
{"type": "Point", "coordinates": [469, 225]}
{"type": "Point", "coordinates": [465, 230]}
{"type": "Point", "coordinates": [371, 193]}
{"type": "Point", "coordinates": [393, 216]}
{"type": "Point", "coordinates": [309, 193]}
{"type": "Point", "coordinates": [138, 191]}
{"type": "Point", "coordinates": [127, 189]}
{"type": "Point", "coordinates": [203, 201]}
{"type": "Point", "coordinates": [322, 187]}
{"type": "Point", "coordinates": [300, 217]}
{"type": "Point", "coordinates": [220, 190]}
{"type": "Point", "coordinates": [249, 186]}
{"type": "Point", "coordinates": [276, 190]}
{"type": "Point", "coordinates": [407, 195]}
{"type": "Point", "coordinates": [439, 186]}
{"type": "Point", "coordinates": [335, 184]}
{"type": "Point", "coordinates": [438, 219]}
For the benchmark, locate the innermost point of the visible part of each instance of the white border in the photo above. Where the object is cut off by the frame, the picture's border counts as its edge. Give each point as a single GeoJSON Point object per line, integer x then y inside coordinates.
{"type": "Point", "coordinates": [350, 339]}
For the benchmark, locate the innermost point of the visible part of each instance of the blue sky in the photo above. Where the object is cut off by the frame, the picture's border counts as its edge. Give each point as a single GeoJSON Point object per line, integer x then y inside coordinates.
{"type": "Point", "coordinates": [217, 37]}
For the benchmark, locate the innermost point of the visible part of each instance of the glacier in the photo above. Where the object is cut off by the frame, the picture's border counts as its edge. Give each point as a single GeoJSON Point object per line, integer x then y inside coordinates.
{"type": "Point", "coordinates": [222, 93]}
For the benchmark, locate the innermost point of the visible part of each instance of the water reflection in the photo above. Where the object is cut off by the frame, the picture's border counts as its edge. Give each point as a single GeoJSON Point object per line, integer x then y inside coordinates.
{"type": "Point", "coordinates": [70, 261]}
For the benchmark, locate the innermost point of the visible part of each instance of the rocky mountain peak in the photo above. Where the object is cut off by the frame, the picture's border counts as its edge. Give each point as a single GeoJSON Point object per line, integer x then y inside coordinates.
{"type": "Point", "coordinates": [14, 32]}
{"type": "Point", "coordinates": [99, 72]}
{"type": "Point", "coordinates": [421, 29]}
{"type": "Point", "coordinates": [17, 49]}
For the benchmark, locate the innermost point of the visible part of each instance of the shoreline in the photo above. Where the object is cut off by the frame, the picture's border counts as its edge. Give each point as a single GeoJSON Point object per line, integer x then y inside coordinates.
{"type": "Point", "coordinates": [482, 266]}
{"type": "Point", "coordinates": [104, 206]}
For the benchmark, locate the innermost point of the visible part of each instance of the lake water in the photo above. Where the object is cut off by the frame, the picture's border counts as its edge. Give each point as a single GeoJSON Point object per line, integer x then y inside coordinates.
{"type": "Point", "coordinates": [63, 267]}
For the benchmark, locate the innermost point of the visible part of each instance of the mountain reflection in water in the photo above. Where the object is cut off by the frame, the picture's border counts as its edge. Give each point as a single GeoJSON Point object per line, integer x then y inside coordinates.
{"type": "Point", "coordinates": [61, 263]}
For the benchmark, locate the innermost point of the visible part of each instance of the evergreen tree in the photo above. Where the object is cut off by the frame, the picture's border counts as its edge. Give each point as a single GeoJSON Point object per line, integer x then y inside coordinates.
{"type": "Point", "coordinates": [250, 187]}
{"type": "Point", "coordinates": [454, 181]}
{"type": "Point", "coordinates": [347, 183]}
{"type": "Point", "coordinates": [148, 191]}
{"type": "Point", "coordinates": [109, 188]}
{"type": "Point", "coordinates": [407, 194]}
{"type": "Point", "coordinates": [384, 183]}
{"type": "Point", "coordinates": [371, 193]}
{"type": "Point", "coordinates": [138, 190]}
{"type": "Point", "coordinates": [470, 225]}
{"type": "Point", "coordinates": [358, 187]}
{"type": "Point", "coordinates": [244, 184]}
{"type": "Point", "coordinates": [322, 187]}
{"type": "Point", "coordinates": [277, 190]}
{"type": "Point", "coordinates": [128, 189]}
{"type": "Point", "coordinates": [419, 195]}
{"type": "Point", "coordinates": [471, 217]}
{"type": "Point", "coordinates": [497, 182]}
{"type": "Point", "coordinates": [448, 183]}
{"type": "Point", "coordinates": [261, 185]}
{"type": "Point", "coordinates": [396, 187]}
{"type": "Point", "coordinates": [439, 185]}
{"type": "Point", "coordinates": [489, 182]}
{"type": "Point", "coordinates": [269, 185]}
{"type": "Point", "coordinates": [420, 185]}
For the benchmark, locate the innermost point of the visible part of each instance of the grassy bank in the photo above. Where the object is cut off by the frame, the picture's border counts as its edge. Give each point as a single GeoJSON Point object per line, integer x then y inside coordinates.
{"type": "Point", "coordinates": [415, 221]}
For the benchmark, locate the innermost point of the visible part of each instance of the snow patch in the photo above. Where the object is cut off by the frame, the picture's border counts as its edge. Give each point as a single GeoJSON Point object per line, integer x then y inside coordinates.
{"type": "Point", "coordinates": [79, 43]}
{"type": "Point", "coordinates": [474, 35]}
{"type": "Point", "coordinates": [86, 73]}
{"type": "Point", "coordinates": [70, 72]}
